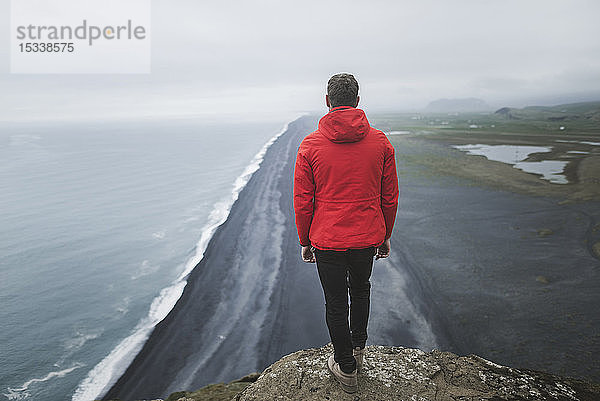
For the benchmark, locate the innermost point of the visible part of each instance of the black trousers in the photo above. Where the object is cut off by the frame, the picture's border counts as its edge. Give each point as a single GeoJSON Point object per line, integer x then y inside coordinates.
{"type": "Point", "coordinates": [343, 272]}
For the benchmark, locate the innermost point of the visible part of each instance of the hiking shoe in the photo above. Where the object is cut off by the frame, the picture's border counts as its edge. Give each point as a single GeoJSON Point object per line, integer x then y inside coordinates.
{"type": "Point", "coordinates": [359, 355]}
{"type": "Point", "coordinates": [348, 381]}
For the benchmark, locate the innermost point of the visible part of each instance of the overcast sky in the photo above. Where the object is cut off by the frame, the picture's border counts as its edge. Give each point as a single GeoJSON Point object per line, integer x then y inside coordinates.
{"type": "Point", "coordinates": [226, 56]}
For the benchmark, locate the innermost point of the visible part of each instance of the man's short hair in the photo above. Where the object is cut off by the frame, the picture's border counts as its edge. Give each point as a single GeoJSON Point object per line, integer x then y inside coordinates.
{"type": "Point", "coordinates": [342, 90]}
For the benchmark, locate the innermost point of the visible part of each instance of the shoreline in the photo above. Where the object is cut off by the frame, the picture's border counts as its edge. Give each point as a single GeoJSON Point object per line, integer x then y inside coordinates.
{"type": "Point", "coordinates": [141, 379]}
{"type": "Point", "coordinates": [97, 381]}
{"type": "Point", "coordinates": [448, 283]}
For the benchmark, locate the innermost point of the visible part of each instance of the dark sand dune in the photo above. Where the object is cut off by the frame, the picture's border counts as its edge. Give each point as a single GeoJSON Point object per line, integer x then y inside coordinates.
{"type": "Point", "coordinates": [468, 273]}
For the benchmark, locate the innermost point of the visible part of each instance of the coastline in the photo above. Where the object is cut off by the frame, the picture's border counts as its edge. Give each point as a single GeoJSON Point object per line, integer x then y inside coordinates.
{"type": "Point", "coordinates": [102, 376]}
{"type": "Point", "coordinates": [464, 279]}
{"type": "Point", "coordinates": [167, 360]}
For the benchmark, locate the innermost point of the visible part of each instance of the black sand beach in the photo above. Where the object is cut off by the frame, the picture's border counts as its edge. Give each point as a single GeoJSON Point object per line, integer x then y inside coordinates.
{"type": "Point", "coordinates": [473, 270]}
{"type": "Point", "coordinates": [507, 276]}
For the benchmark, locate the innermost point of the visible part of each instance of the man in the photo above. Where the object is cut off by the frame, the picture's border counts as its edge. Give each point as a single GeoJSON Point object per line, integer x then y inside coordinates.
{"type": "Point", "coordinates": [345, 201]}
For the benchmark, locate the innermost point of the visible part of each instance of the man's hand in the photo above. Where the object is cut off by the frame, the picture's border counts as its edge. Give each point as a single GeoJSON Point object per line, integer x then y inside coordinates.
{"type": "Point", "coordinates": [307, 254]}
{"type": "Point", "coordinates": [383, 251]}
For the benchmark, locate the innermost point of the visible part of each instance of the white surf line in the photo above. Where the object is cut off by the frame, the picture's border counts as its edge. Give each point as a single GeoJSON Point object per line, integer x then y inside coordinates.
{"type": "Point", "coordinates": [22, 392]}
{"type": "Point", "coordinates": [106, 372]}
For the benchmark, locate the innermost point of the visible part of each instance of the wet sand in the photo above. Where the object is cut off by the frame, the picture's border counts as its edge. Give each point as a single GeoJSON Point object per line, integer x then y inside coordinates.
{"type": "Point", "coordinates": [470, 272]}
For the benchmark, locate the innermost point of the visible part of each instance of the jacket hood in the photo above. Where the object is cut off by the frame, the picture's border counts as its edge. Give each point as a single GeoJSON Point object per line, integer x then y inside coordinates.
{"type": "Point", "coordinates": [344, 124]}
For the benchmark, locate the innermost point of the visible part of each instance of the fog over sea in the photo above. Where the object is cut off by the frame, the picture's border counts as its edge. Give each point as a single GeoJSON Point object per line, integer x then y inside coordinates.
{"type": "Point", "coordinates": [100, 222]}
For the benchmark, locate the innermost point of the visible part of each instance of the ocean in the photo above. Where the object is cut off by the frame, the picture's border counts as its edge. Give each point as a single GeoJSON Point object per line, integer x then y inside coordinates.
{"type": "Point", "coordinates": [100, 224]}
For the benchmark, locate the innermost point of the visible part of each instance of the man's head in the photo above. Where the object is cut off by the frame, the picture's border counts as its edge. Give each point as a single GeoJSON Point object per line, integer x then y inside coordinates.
{"type": "Point", "coordinates": [342, 90]}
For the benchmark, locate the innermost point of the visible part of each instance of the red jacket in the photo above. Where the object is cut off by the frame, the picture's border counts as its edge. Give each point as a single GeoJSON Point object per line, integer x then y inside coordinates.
{"type": "Point", "coordinates": [345, 183]}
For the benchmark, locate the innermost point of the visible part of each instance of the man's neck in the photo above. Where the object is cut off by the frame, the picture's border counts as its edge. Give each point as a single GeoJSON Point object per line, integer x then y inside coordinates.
{"type": "Point", "coordinates": [340, 108]}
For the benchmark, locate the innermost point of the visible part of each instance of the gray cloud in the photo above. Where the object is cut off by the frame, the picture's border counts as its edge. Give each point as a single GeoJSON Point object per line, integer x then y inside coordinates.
{"type": "Point", "coordinates": [210, 56]}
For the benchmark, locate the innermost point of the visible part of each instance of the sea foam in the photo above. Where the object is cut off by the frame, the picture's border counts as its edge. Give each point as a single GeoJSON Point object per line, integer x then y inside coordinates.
{"type": "Point", "coordinates": [22, 393]}
{"type": "Point", "coordinates": [99, 380]}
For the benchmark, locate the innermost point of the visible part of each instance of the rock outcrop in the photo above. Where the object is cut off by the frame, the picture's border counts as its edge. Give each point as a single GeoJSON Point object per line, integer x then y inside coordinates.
{"type": "Point", "coordinates": [396, 373]}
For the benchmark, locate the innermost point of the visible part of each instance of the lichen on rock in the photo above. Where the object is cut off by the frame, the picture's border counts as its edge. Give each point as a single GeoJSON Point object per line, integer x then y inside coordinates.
{"type": "Point", "coordinates": [397, 373]}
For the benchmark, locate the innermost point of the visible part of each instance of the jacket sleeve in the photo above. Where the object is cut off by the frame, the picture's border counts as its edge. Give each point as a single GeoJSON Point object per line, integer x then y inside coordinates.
{"type": "Point", "coordinates": [304, 192]}
{"type": "Point", "coordinates": [389, 190]}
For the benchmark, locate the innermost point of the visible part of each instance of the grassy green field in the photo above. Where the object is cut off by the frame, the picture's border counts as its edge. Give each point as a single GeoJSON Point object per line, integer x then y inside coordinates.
{"type": "Point", "coordinates": [581, 121]}
{"type": "Point", "coordinates": [572, 132]}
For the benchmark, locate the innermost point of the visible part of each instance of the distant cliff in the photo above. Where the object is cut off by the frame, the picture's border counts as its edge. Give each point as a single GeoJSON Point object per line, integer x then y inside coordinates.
{"type": "Point", "coordinates": [585, 112]}
{"type": "Point", "coordinates": [396, 373]}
